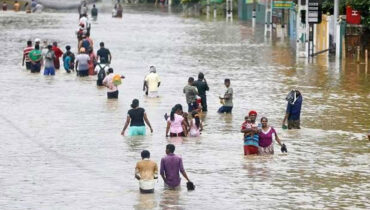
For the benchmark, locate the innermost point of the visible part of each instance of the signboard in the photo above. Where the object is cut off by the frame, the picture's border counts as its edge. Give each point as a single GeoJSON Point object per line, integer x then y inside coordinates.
{"type": "Point", "coordinates": [282, 4]}
{"type": "Point", "coordinates": [314, 11]}
{"type": "Point", "coordinates": [353, 16]}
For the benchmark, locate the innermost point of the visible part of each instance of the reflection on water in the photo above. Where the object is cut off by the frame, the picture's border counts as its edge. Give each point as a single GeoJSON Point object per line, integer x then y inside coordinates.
{"type": "Point", "coordinates": [146, 201]}
{"type": "Point", "coordinates": [61, 143]}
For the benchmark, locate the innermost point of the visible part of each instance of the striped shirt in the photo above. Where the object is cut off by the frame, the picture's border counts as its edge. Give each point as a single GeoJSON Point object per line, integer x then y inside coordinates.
{"type": "Point", "coordinates": [27, 51]}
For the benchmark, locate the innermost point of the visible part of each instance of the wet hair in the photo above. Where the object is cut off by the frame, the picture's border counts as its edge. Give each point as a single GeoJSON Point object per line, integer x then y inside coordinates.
{"type": "Point", "coordinates": [110, 70]}
{"type": "Point", "coordinates": [50, 47]}
{"type": "Point", "coordinates": [227, 80]}
{"type": "Point", "coordinates": [135, 103]}
{"type": "Point", "coordinates": [68, 47]}
{"type": "Point", "coordinates": [195, 115]}
{"type": "Point", "coordinates": [37, 47]}
{"type": "Point", "coordinates": [191, 79]}
{"type": "Point", "coordinates": [174, 110]}
{"type": "Point", "coordinates": [101, 44]}
{"type": "Point", "coordinates": [29, 43]}
{"type": "Point", "coordinates": [264, 118]}
{"type": "Point", "coordinates": [145, 154]}
{"type": "Point", "coordinates": [200, 75]}
{"type": "Point", "coordinates": [170, 148]}
{"type": "Point", "coordinates": [94, 5]}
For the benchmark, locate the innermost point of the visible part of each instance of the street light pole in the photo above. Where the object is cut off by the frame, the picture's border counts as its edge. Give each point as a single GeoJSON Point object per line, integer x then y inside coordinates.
{"type": "Point", "coordinates": [336, 40]}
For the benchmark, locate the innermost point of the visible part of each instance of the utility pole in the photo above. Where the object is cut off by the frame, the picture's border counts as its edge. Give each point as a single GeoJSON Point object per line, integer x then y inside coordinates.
{"type": "Point", "coordinates": [229, 10]}
{"type": "Point", "coordinates": [307, 33]}
{"type": "Point", "coordinates": [336, 29]}
{"type": "Point", "coordinates": [254, 13]}
{"type": "Point", "coordinates": [301, 29]}
{"type": "Point", "coordinates": [268, 18]}
{"type": "Point", "coordinates": [208, 9]}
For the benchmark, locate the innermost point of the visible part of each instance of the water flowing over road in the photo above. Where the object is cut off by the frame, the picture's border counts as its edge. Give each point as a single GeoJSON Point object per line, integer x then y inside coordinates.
{"type": "Point", "coordinates": [61, 146]}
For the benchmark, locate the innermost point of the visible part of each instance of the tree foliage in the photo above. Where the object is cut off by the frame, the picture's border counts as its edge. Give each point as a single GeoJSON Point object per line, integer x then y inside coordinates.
{"type": "Point", "coordinates": [361, 5]}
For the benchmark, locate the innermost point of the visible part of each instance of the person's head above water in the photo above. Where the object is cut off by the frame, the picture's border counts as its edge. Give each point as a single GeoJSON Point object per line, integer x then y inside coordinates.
{"type": "Point", "coordinates": [68, 48]}
{"type": "Point", "coordinates": [152, 69]}
{"type": "Point", "coordinates": [145, 154]}
{"type": "Point", "coordinates": [176, 109]}
{"type": "Point", "coordinates": [191, 80]}
{"type": "Point", "coordinates": [264, 121]}
{"type": "Point", "coordinates": [37, 41]}
{"type": "Point", "coordinates": [55, 44]}
{"type": "Point", "coordinates": [110, 70]}
{"type": "Point", "coordinates": [82, 50]}
{"type": "Point", "coordinates": [227, 82]}
{"type": "Point", "coordinates": [93, 5]}
{"type": "Point", "coordinates": [292, 96]}
{"type": "Point", "coordinates": [135, 103]}
{"type": "Point", "coordinates": [247, 119]}
{"type": "Point", "coordinates": [170, 148]}
{"type": "Point", "coordinates": [50, 47]}
{"type": "Point", "coordinates": [252, 115]}
{"type": "Point", "coordinates": [101, 44]}
{"type": "Point", "coordinates": [200, 76]}
{"type": "Point", "coordinates": [29, 43]}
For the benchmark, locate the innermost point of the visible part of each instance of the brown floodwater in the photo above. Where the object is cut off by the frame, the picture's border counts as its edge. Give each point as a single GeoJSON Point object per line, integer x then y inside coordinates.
{"type": "Point", "coordinates": [60, 137]}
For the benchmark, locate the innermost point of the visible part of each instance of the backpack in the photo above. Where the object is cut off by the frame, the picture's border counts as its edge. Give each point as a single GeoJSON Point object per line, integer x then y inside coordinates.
{"type": "Point", "coordinates": [86, 44]}
{"type": "Point", "coordinates": [101, 74]}
{"type": "Point", "coordinates": [67, 62]}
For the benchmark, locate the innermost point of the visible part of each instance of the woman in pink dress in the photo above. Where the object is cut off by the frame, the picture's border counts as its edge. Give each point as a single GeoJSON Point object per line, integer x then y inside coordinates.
{"type": "Point", "coordinates": [266, 136]}
{"type": "Point", "coordinates": [176, 123]}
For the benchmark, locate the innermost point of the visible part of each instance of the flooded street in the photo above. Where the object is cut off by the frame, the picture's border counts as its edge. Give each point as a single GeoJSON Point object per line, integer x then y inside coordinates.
{"type": "Point", "coordinates": [61, 146]}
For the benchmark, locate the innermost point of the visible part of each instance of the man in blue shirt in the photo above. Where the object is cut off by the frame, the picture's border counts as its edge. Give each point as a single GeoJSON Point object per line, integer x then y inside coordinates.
{"type": "Point", "coordinates": [293, 110]}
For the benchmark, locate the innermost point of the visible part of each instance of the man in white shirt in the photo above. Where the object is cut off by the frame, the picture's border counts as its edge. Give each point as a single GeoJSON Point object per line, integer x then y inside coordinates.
{"type": "Point", "coordinates": [84, 21]}
{"type": "Point", "coordinates": [82, 63]}
{"type": "Point", "coordinates": [152, 83]}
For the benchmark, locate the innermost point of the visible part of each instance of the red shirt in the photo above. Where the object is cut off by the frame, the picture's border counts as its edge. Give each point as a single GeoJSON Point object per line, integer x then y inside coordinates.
{"type": "Point", "coordinates": [27, 51]}
{"type": "Point", "coordinates": [58, 53]}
